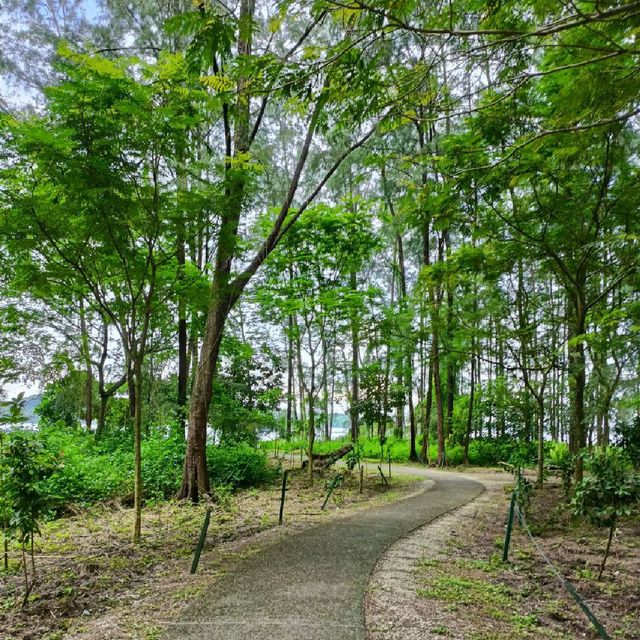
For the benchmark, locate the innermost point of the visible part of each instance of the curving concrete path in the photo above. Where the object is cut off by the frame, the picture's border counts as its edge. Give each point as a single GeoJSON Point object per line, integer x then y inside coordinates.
{"type": "Point", "coordinates": [311, 586]}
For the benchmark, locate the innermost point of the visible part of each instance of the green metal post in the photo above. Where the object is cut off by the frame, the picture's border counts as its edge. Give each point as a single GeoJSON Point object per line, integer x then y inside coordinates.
{"type": "Point", "coordinates": [203, 535]}
{"type": "Point", "coordinates": [284, 491]}
{"type": "Point", "coordinates": [507, 536]}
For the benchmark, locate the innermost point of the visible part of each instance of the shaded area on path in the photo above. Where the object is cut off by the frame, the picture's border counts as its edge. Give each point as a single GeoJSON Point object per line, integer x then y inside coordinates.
{"type": "Point", "coordinates": [311, 585]}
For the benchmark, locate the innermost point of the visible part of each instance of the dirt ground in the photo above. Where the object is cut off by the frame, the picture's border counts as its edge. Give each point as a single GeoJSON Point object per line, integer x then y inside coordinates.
{"type": "Point", "coordinates": [446, 580]}
{"type": "Point", "coordinates": [93, 583]}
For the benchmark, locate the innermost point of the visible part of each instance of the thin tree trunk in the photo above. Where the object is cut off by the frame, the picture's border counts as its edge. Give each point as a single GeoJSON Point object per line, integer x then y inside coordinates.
{"type": "Point", "coordinates": [355, 379]}
{"type": "Point", "coordinates": [86, 354]}
{"type": "Point", "coordinates": [288, 428]}
{"type": "Point", "coordinates": [137, 451]}
{"type": "Point", "coordinates": [612, 528]}
{"type": "Point", "coordinates": [427, 414]}
{"type": "Point", "coordinates": [301, 393]}
{"type": "Point", "coordinates": [472, 390]}
{"type": "Point", "coordinates": [413, 453]}
{"type": "Point", "coordinates": [183, 338]}
{"type": "Point", "coordinates": [325, 389]}
{"type": "Point", "coordinates": [312, 413]}
{"type": "Point", "coordinates": [437, 383]}
{"type": "Point", "coordinates": [577, 380]}
{"type": "Point", "coordinates": [541, 417]}
{"type": "Point", "coordinates": [450, 365]}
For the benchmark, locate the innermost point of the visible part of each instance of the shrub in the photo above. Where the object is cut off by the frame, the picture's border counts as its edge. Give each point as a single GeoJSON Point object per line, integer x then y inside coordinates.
{"type": "Point", "coordinates": [610, 491]}
{"type": "Point", "coordinates": [24, 468]}
{"type": "Point", "coordinates": [240, 466]}
{"type": "Point", "coordinates": [629, 440]}
{"type": "Point", "coordinates": [560, 457]}
{"type": "Point", "coordinates": [162, 460]}
{"type": "Point", "coordinates": [87, 473]}
{"type": "Point", "coordinates": [91, 472]}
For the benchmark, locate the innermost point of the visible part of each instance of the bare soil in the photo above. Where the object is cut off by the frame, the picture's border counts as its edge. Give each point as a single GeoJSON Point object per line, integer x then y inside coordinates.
{"type": "Point", "coordinates": [92, 582]}
{"type": "Point", "coordinates": [447, 580]}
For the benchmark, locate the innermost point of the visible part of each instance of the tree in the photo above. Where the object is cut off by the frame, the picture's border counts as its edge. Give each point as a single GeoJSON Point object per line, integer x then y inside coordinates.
{"type": "Point", "coordinates": [321, 90]}
{"type": "Point", "coordinates": [88, 200]}
{"type": "Point", "coordinates": [310, 278]}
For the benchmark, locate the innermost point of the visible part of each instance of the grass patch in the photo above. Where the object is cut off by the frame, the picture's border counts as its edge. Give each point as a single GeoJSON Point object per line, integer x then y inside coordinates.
{"type": "Point", "coordinates": [465, 591]}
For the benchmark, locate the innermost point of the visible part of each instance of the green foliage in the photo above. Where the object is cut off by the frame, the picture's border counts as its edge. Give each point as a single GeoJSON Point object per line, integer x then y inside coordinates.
{"type": "Point", "coordinates": [629, 439]}
{"type": "Point", "coordinates": [488, 452]}
{"type": "Point", "coordinates": [372, 391]}
{"type": "Point", "coordinates": [63, 400]}
{"type": "Point", "coordinates": [561, 458]}
{"type": "Point", "coordinates": [246, 392]}
{"type": "Point", "coordinates": [162, 460]}
{"type": "Point", "coordinates": [90, 471]}
{"type": "Point", "coordinates": [87, 473]}
{"type": "Point", "coordinates": [240, 466]}
{"type": "Point", "coordinates": [25, 466]}
{"type": "Point", "coordinates": [610, 491]}
{"type": "Point", "coordinates": [353, 459]}
{"type": "Point", "coordinates": [482, 452]}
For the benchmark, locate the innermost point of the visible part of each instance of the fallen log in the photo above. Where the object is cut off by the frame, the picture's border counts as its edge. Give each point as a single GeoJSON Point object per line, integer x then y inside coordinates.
{"type": "Point", "coordinates": [325, 460]}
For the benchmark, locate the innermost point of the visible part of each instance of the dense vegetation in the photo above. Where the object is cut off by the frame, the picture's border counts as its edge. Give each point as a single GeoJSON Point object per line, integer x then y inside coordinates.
{"type": "Point", "coordinates": [423, 216]}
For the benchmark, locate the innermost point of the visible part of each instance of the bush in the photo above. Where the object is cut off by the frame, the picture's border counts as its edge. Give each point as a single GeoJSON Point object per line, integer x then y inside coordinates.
{"type": "Point", "coordinates": [629, 440]}
{"type": "Point", "coordinates": [239, 466]}
{"type": "Point", "coordinates": [91, 472]}
{"type": "Point", "coordinates": [86, 473]}
{"type": "Point", "coordinates": [162, 461]}
{"type": "Point", "coordinates": [24, 497]}
{"type": "Point", "coordinates": [610, 491]}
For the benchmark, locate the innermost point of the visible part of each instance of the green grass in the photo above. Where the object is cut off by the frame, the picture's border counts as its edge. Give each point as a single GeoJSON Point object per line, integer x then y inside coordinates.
{"type": "Point", "coordinates": [481, 452]}
{"type": "Point", "coordinates": [466, 591]}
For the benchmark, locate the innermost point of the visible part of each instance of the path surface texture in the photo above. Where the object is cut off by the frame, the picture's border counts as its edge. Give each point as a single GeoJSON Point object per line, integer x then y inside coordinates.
{"type": "Point", "coordinates": [311, 586]}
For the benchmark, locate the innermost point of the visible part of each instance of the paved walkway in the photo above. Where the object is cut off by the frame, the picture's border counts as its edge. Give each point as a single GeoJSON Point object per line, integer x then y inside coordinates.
{"type": "Point", "coordinates": [311, 586]}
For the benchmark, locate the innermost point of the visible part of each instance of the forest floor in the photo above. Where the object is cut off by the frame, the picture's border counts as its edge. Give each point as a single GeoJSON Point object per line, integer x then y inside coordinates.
{"type": "Point", "coordinates": [446, 580]}
{"type": "Point", "coordinates": [93, 583]}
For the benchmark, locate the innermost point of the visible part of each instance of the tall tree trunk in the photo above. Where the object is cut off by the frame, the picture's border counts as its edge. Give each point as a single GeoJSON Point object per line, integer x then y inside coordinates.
{"type": "Point", "coordinates": [577, 378]}
{"type": "Point", "coordinates": [332, 396]}
{"type": "Point", "coordinates": [105, 392]}
{"type": "Point", "coordinates": [472, 391]}
{"type": "Point", "coordinates": [400, 400]}
{"type": "Point", "coordinates": [424, 453]}
{"type": "Point", "coordinates": [224, 291]}
{"type": "Point", "coordinates": [137, 450]}
{"type": "Point", "coordinates": [301, 393]}
{"type": "Point", "coordinates": [131, 389]}
{"type": "Point", "coordinates": [86, 354]}
{"type": "Point", "coordinates": [183, 346]}
{"type": "Point", "coordinates": [195, 481]}
{"type": "Point", "coordinates": [450, 364]}
{"type": "Point", "coordinates": [355, 378]}
{"type": "Point", "coordinates": [325, 389]}
{"type": "Point", "coordinates": [413, 453]}
{"type": "Point", "coordinates": [435, 295]}
{"type": "Point", "coordinates": [290, 399]}
{"type": "Point", "coordinates": [181, 259]}
{"type": "Point", "coordinates": [312, 413]}
{"type": "Point", "coordinates": [437, 384]}
{"type": "Point", "coordinates": [311, 435]}
{"type": "Point", "coordinates": [541, 418]}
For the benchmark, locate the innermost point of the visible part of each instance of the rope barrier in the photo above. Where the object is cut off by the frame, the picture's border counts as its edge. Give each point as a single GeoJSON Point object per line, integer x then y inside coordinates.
{"type": "Point", "coordinates": [563, 581]}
